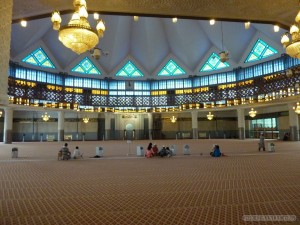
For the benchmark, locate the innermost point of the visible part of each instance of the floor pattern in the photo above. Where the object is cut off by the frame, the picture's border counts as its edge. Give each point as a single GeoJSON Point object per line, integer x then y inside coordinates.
{"type": "Point", "coordinates": [37, 189]}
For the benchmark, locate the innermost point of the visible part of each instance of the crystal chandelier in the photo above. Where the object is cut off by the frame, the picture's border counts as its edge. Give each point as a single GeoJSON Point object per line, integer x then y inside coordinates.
{"type": "Point", "coordinates": [78, 34]}
{"type": "Point", "coordinates": [252, 113]}
{"type": "Point", "coordinates": [85, 119]}
{"type": "Point", "coordinates": [297, 108]}
{"type": "Point", "coordinates": [173, 119]}
{"type": "Point", "coordinates": [292, 47]}
{"type": "Point", "coordinates": [46, 117]}
{"type": "Point", "coordinates": [210, 116]}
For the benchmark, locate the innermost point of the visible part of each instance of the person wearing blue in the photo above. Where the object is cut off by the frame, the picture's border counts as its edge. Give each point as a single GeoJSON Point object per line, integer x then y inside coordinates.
{"type": "Point", "coordinates": [216, 151]}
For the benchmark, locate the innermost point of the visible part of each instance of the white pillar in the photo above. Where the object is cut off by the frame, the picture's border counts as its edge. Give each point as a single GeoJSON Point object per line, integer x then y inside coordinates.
{"type": "Point", "coordinates": [195, 124]}
{"type": "Point", "coordinates": [60, 126]}
{"type": "Point", "coordinates": [150, 125]}
{"type": "Point", "coordinates": [107, 125]}
{"type": "Point", "coordinates": [241, 123]}
{"type": "Point", "coordinates": [5, 36]}
{"type": "Point", "coordinates": [293, 122]}
{"type": "Point", "coordinates": [8, 125]}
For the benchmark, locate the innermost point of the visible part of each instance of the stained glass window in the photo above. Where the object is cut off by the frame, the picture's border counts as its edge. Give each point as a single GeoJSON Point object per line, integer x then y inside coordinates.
{"type": "Point", "coordinates": [129, 70]}
{"type": "Point", "coordinates": [39, 58]}
{"type": "Point", "coordinates": [260, 51]}
{"type": "Point", "coordinates": [213, 63]}
{"type": "Point", "coordinates": [171, 69]}
{"type": "Point", "coordinates": [86, 67]}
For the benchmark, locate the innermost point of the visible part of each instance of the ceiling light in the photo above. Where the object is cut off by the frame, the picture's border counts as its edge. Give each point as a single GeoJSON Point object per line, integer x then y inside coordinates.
{"type": "Point", "coordinates": [247, 25]}
{"type": "Point", "coordinates": [96, 16]}
{"type": "Point", "coordinates": [173, 119]}
{"type": "Point", "coordinates": [135, 18]}
{"type": "Point", "coordinates": [297, 108]}
{"type": "Point", "coordinates": [78, 34]}
{"type": "Point", "coordinates": [85, 119]}
{"type": "Point", "coordinates": [276, 28]}
{"type": "Point", "coordinates": [292, 47]}
{"type": "Point", "coordinates": [210, 116]}
{"type": "Point", "coordinates": [212, 22]}
{"type": "Point", "coordinates": [0, 113]}
{"type": "Point", "coordinates": [23, 23]}
{"type": "Point", "coordinates": [46, 117]}
{"type": "Point", "coordinates": [174, 20]}
{"type": "Point", "coordinates": [252, 113]}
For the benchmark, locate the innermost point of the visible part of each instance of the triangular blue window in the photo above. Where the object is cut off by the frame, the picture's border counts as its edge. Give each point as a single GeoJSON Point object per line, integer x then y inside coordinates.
{"type": "Point", "coordinates": [213, 63]}
{"type": "Point", "coordinates": [86, 67]}
{"type": "Point", "coordinates": [129, 70]}
{"type": "Point", "coordinates": [260, 51]}
{"type": "Point", "coordinates": [171, 69]}
{"type": "Point", "coordinates": [39, 58]}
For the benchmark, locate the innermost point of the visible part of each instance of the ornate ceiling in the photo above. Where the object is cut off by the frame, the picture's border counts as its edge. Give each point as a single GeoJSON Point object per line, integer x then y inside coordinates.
{"type": "Point", "coordinates": [154, 39]}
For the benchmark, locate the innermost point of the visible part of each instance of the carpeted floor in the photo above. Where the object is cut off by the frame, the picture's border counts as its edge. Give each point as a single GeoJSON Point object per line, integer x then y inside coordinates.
{"type": "Point", "coordinates": [121, 188]}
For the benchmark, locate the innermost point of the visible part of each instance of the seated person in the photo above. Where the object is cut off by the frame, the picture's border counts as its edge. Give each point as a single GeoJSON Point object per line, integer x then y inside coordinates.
{"type": "Point", "coordinates": [169, 152]}
{"type": "Point", "coordinates": [162, 152]}
{"type": "Point", "coordinates": [77, 154]}
{"type": "Point", "coordinates": [286, 137]}
{"type": "Point", "coordinates": [216, 151]}
{"type": "Point", "coordinates": [155, 149]}
{"type": "Point", "coordinates": [149, 153]}
{"type": "Point", "coordinates": [65, 153]}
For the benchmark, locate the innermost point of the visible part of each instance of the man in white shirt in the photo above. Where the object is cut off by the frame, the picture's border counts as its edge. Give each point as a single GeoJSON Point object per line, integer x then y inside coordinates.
{"type": "Point", "coordinates": [77, 154]}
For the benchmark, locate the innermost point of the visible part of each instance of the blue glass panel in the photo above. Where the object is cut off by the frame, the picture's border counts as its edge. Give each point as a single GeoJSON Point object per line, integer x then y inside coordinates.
{"type": "Point", "coordinates": [213, 63]}
{"type": "Point", "coordinates": [171, 69]}
{"type": "Point", "coordinates": [129, 70]}
{"type": "Point", "coordinates": [39, 58]}
{"type": "Point", "coordinates": [260, 51]}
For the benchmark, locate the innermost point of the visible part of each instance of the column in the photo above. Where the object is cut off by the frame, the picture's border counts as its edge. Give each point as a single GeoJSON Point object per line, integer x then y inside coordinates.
{"type": "Point", "coordinates": [294, 123]}
{"type": "Point", "coordinates": [8, 125]}
{"type": "Point", "coordinates": [241, 123]}
{"type": "Point", "coordinates": [150, 124]}
{"type": "Point", "coordinates": [61, 124]}
{"type": "Point", "coordinates": [195, 124]}
{"type": "Point", "coordinates": [107, 125]}
{"type": "Point", "coordinates": [5, 36]}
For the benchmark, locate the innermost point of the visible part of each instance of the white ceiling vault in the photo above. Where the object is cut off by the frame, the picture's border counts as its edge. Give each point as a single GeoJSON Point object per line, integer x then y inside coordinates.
{"type": "Point", "coordinates": [154, 39]}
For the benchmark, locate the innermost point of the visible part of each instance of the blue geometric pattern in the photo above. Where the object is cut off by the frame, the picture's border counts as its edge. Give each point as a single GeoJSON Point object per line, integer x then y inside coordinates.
{"type": "Point", "coordinates": [213, 63]}
{"type": "Point", "coordinates": [260, 51]}
{"type": "Point", "coordinates": [86, 67]}
{"type": "Point", "coordinates": [171, 69]}
{"type": "Point", "coordinates": [129, 70]}
{"type": "Point", "coordinates": [39, 58]}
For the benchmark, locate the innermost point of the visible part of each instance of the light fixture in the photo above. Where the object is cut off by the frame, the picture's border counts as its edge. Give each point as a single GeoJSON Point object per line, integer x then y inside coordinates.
{"type": "Point", "coordinates": [0, 113]}
{"type": "Point", "coordinates": [173, 119]}
{"type": "Point", "coordinates": [135, 18]}
{"type": "Point", "coordinates": [224, 55]}
{"type": "Point", "coordinates": [252, 113]}
{"type": "Point", "coordinates": [23, 23]}
{"type": "Point", "coordinates": [212, 22]}
{"type": "Point", "coordinates": [297, 108]}
{"type": "Point", "coordinates": [210, 116]}
{"type": "Point", "coordinates": [78, 35]}
{"type": "Point", "coordinates": [247, 25]}
{"type": "Point", "coordinates": [276, 28]}
{"type": "Point", "coordinates": [96, 16]}
{"type": "Point", "coordinates": [174, 20]}
{"type": "Point", "coordinates": [292, 48]}
{"type": "Point", "coordinates": [85, 119]}
{"type": "Point", "coordinates": [46, 117]}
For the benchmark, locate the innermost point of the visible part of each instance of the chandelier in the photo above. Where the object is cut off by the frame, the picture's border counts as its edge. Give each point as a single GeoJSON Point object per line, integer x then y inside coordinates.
{"type": "Point", "coordinates": [85, 119]}
{"type": "Point", "coordinates": [173, 119]}
{"type": "Point", "coordinates": [78, 35]}
{"type": "Point", "coordinates": [46, 117]}
{"type": "Point", "coordinates": [252, 113]}
{"type": "Point", "coordinates": [292, 47]}
{"type": "Point", "coordinates": [297, 108]}
{"type": "Point", "coordinates": [210, 116]}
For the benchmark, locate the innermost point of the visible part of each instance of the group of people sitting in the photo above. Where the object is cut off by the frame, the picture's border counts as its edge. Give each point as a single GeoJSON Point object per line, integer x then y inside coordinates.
{"type": "Point", "coordinates": [152, 150]}
{"type": "Point", "coordinates": [65, 154]}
